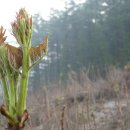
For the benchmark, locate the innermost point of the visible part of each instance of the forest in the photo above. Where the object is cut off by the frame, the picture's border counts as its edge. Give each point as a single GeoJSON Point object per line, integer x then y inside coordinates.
{"type": "Point", "coordinates": [93, 35]}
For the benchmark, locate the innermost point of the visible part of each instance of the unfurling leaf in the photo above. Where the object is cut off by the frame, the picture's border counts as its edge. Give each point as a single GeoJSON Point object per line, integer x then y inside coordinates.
{"type": "Point", "coordinates": [22, 27]}
{"type": "Point", "coordinates": [37, 52]}
{"type": "Point", "coordinates": [15, 56]}
{"type": "Point", "coordinates": [2, 37]}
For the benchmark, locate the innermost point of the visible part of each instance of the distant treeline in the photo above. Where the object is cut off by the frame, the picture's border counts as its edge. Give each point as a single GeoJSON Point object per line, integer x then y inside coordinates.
{"type": "Point", "coordinates": [92, 35]}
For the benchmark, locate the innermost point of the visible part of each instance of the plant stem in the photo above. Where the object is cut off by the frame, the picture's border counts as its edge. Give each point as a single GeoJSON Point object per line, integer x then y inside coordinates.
{"type": "Point", "coordinates": [5, 91]}
{"type": "Point", "coordinates": [12, 120]}
{"type": "Point", "coordinates": [24, 83]}
{"type": "Point", "coordinates": [11, 92]}
{"type": "Point", "coordinates": [16, 90]}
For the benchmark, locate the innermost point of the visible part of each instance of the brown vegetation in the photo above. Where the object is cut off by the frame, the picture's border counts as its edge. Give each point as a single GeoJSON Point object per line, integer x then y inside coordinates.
{"type": "Point", "coordinates": [82, 104]}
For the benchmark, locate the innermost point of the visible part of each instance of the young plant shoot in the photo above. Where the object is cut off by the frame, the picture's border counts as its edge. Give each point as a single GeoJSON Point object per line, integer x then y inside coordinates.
{"type": "Point", "coordinates": [15, 64]}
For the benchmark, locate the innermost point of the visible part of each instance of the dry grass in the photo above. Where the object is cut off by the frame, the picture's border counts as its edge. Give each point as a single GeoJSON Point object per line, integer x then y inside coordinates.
{"type": "Point", "coordinates": [83, 104]}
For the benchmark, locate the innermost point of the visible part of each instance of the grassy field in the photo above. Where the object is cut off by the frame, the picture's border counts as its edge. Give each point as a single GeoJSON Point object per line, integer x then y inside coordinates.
{"type": "Point", "coordinates": [82, 104]}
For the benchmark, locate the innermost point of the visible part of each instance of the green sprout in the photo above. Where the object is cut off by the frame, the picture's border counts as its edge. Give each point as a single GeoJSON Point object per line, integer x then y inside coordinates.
{"type": "Point", "coordinates": [15, 64]}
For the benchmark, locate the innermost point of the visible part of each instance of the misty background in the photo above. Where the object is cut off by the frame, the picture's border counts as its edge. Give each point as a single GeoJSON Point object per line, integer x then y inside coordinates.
{"type": "Point", "coordinates": [89, 36]}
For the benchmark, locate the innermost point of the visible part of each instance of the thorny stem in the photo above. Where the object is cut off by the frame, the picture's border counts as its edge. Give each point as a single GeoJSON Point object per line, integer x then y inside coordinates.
{"type": "Point", "coordinates": [24, 83]}
{"type": "Point", "coordinates": [12, 60]}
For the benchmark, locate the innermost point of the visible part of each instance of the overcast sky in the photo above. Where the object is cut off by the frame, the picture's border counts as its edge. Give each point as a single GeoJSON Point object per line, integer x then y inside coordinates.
{"type": "Point", "coordinates": [8, 9]}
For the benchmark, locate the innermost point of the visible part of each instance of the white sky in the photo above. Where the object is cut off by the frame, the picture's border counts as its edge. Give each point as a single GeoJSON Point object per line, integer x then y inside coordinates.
{"type": "Point", "coordinates": [9, 8]}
